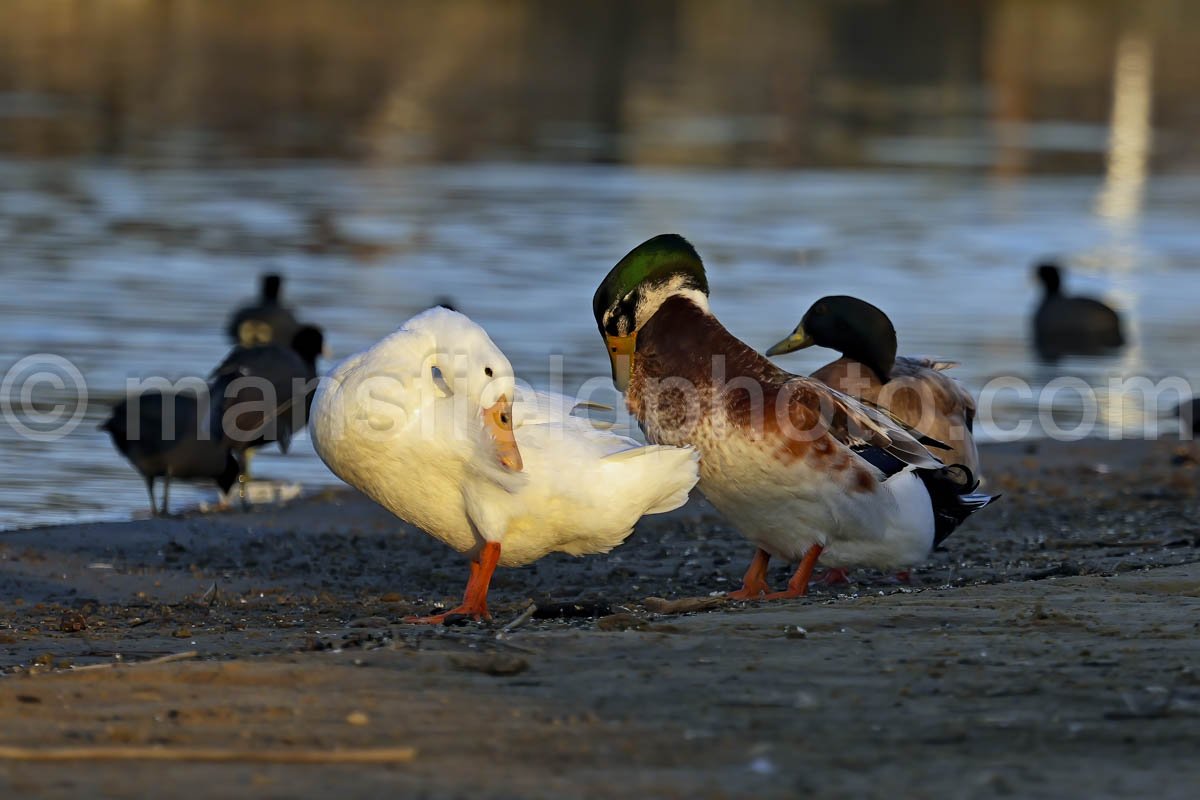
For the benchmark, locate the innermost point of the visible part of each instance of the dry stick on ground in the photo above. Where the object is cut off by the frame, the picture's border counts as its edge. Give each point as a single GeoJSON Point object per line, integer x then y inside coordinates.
{"type": "Point", "coordinates": [167, 659]}
{"type": "Point", "coordinates": [684, 605]}
{"type": "Point", "coordinates": [375, 755]}
{"type": "Point", "coordinates": [521, 619]}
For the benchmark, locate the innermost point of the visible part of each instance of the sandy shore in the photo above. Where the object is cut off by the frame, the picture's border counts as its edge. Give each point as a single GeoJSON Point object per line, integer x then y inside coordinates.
{"type": "Point", "coordinates": [1049, 650]}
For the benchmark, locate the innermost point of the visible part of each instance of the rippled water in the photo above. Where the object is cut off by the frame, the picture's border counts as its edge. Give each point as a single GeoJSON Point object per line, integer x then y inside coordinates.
{"type": "Point", "coordinates": [130, 272]}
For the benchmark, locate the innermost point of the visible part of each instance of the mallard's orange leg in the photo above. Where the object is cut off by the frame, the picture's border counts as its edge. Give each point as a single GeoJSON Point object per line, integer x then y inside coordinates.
{"type": "Point", "coordinates": [754, 583]}
{"type": "Point", "coordinates": [474, 602]}
{"type": "Point", "coordinates": [834, 576]}
{"type": "Point", "coordinates": [798, 585]}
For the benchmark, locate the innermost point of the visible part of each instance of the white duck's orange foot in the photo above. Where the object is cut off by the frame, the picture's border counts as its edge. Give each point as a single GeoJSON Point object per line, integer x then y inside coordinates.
{"type": "Point", "coordinates": [474, 604]}
{"type": "Point", "coordinates": [454, 614]}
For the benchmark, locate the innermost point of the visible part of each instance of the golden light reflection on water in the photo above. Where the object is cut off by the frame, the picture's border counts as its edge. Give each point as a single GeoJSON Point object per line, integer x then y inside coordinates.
{"type": "Point", "coordinates": [1122, 406]}
{"type": "Point", "coordinates": [1130, 129]}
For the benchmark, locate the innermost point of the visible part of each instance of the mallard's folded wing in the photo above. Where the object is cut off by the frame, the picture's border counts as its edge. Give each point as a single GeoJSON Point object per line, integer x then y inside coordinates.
{"type": "Point", "coordinates": [852, 423]}
{"type": "Point", "coordinates": [923, 362]}
{"type": "Point", "coordinates": [946, 396]}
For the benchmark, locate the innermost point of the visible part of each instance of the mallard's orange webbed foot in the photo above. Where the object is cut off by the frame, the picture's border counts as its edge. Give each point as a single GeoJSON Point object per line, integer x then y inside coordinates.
{"type": "Point", "coordinates": [834, 576]}
{"type": "Point", "coordinates": [798, 585]}
{"type": "Point", "coordinates": [750, 592]}
{"type": "Point", "coordinates": [754, 584]}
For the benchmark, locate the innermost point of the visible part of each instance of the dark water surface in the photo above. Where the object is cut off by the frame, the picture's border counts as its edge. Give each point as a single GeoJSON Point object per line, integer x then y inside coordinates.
{"type": "Point", "coordinates": [157, 155]}
{"type": "Point", "coordinates": [130, 273]}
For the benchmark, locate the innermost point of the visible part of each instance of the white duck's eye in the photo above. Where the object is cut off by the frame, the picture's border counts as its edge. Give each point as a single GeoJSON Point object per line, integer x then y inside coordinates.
{"type": "Point", "coordinates": [487, 371]}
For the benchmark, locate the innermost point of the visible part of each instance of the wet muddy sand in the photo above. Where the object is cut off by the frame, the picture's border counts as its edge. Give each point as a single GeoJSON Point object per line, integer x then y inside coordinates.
{"type": "Point", "coordinates": [1051, 649]}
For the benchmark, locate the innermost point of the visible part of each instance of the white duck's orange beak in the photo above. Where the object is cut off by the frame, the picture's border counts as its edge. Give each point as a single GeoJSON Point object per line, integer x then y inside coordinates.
{"type": "Point", "coordinates": [498, 421]}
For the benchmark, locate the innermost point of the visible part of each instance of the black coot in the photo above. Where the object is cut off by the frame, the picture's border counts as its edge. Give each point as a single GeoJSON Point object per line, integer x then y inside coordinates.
{"type": "Point", "coordinates": [171, 435]}
{"type": "Point", "coordinates": [1065, 325]}
{"type": "Point", "coordinates": [264, 392]}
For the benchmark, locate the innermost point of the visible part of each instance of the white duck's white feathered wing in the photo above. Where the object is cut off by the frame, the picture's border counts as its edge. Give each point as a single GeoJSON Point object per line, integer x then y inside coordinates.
{"type": "Point", "coordinates": [660, 477]}
{"type": "Point", "coordinates": [587, 486]}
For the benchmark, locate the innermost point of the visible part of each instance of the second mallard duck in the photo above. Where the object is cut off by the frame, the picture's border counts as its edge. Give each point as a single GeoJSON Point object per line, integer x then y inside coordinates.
{"type": "Point", "coordinates": [914, 390]}
{"type": "Point", "coordinates": [805, 472]}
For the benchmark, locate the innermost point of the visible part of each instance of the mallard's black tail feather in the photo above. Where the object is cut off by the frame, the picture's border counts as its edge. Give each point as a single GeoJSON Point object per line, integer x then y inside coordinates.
{"type": "Point", "coordinates": [952, 491]}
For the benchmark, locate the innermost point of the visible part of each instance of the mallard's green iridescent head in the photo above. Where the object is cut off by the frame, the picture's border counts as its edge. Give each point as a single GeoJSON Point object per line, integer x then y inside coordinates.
{"type": "Point", "coordinates": [633, 290]}
{"type": "Point", "coordinates": [853, 327]}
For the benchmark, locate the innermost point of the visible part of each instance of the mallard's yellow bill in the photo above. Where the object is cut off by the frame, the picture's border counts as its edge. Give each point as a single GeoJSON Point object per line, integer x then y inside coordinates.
{"type": "Point", "coordinates": [498, 421]}
{"type": "Point", "coordinates": [797, 341]}
{"type": "Point", "coordinates": [620, 354]}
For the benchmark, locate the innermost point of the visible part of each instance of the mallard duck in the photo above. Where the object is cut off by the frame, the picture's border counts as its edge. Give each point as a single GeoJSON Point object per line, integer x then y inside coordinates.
{"type": "Point", "coordinates": [266, 322]}
{"type": "Point", "coordinates": [914, 390]}
{"type": "Point", "coordinates": [171, 435]}
{"type": "Point", "coordinates": [430, 423]}
{"type": "Point", "coordinates": [805, 472]}
{"type": "Point", "coordinates": [264, 392]}
{"type": "Point", "coordinates": [1065, 325]}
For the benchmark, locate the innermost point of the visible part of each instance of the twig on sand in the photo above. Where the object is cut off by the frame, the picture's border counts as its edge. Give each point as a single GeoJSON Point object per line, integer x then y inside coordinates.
{"type": "Point", "coordinates": [210, 596]}
{"type": "Point", "coordinates": [684, 605]}
{"type": "Point", "coordinates": [167, 659]}
{"type": "Point", "coordinates": [375, 755]}
{"type": "Point", "coordinates": [520, 620]}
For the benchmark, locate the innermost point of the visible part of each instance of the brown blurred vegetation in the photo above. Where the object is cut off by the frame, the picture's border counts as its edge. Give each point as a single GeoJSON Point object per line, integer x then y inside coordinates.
{"type": "Point", "coordinates": [763, 82]}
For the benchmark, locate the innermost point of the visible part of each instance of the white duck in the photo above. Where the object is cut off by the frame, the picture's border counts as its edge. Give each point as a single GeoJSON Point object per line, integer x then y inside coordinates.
{"type": "Point", "coordinates": [424, 423]}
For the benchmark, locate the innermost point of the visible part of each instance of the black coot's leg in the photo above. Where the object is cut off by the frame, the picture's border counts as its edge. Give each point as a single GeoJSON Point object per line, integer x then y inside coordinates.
{"type": "Point", "coordinates": [244, 478]}
{"type": "Point", "coordinates": [150, 489]}
{"type": "Point", "coordinates": [166, 493]}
